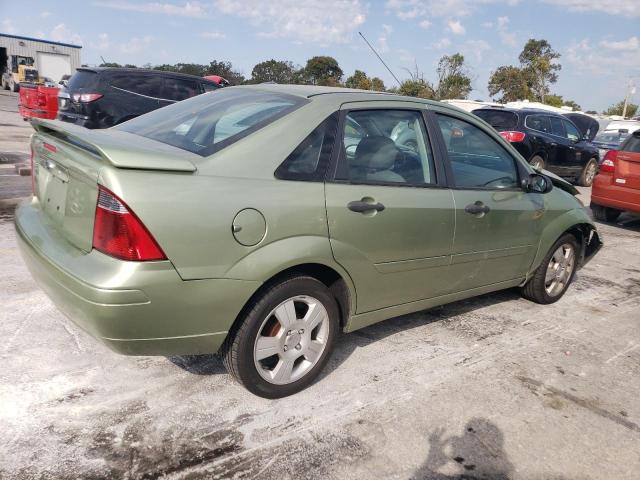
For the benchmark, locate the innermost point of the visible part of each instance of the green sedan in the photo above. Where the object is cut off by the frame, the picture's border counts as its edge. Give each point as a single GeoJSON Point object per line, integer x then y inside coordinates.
{"type": "Point", "coordinates": [260, 221]}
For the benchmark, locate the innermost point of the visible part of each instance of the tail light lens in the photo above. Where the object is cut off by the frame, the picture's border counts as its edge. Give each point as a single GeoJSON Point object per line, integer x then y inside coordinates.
{"type": "Point", "coordinates": [609, 163]}
{"type": "Point", "coordinates": [512, 136]}
{"type": "Point", "coordinates": [86, 97]}
{"type": "Point", "coordinates": [118, 232]}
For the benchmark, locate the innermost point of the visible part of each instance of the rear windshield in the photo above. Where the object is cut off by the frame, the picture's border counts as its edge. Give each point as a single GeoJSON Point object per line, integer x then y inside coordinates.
{"type": "Point", "coordinates": [210, 122]}
{"type": "Point", "coordinates": [498, 119]}
{"type": "Point", "coordinates": [83, 79]}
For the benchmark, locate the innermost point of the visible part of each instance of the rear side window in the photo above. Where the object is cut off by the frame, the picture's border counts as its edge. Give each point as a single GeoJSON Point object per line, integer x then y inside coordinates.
{"type": "Point", "coordinates": [556, 127]}
{"type": "Point", "coordinates": [308, 162]}
{"type": "Point", "coordinates": [498, 119]}
{"type": "Point", "coordinates": [147, 85]}
{"type": "Point", "coordinates": [208, 123]}
{"type": "Point", "coordinates": [178, 89]}
{"type": "Point", "coordinates": [632, 144]}
{"type": "Point", "coordinates": [83, 79]}
{"type": "Point", "coordinates": [538, 122]}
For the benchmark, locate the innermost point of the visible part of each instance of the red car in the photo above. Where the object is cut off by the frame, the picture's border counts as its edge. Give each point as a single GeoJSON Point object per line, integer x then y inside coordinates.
{"type": "Point", "coordinates": [616, 188]}
{"type": "Point", "coordinates": [38, 101]}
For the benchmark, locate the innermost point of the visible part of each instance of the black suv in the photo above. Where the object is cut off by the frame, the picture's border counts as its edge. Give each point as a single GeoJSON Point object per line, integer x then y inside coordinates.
{"type": "Point", "coordinates": [104, 97]}
{"type": "Point", "coordinates": [546, 140]}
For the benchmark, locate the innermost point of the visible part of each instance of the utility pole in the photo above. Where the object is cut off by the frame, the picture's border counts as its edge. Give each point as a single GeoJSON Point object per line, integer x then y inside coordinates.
{"type": "Point", "coordinates": [631, 89]}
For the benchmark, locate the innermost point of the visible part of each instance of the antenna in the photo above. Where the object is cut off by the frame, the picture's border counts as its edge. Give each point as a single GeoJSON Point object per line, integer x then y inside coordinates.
{"type": "Point", "coordinates": [380, 58]}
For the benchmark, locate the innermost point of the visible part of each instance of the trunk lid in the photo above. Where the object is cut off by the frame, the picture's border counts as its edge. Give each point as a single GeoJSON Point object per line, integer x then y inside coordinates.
{"type": "Point", "coordinates": [627, 163]}
{"type": "Point", "coordinates": [67, 162]}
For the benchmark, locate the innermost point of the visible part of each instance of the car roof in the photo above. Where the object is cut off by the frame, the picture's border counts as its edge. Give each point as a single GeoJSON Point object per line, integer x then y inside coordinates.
{"type": "Point", "coordinates": [102, 70]}
{"type": "Point", "coordinates": [522, 110]}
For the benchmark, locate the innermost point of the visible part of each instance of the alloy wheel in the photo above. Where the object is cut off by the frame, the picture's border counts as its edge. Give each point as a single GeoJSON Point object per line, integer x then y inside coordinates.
{"type": "Point", "coordinates": [291, 340]}
{"type": "Point", "coordinates": [559, 270]}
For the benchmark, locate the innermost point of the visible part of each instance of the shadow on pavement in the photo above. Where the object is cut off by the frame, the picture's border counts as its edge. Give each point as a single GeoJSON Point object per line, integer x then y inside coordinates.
{"type": "Point", "coordinates": [347, 343]}
{"type": "Point", "coordinates": [478, 453]}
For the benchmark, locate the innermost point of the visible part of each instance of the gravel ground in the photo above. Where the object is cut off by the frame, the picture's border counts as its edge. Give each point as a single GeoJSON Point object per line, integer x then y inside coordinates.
{"type": "Point", "coordinates": [494, 387]}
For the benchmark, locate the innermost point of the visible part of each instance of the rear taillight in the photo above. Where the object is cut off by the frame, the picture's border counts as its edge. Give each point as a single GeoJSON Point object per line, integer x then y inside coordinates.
{"type": "Point", "coordinates": [33, 173]}
{"type": "Point", "coordinates": [86, 97]}
{"type": "Point", "coordinates": [512, 136]}
{"type": "Point", "coordinates": [118, 232]}
{"type": "Point", "coordinates": [608, 165]}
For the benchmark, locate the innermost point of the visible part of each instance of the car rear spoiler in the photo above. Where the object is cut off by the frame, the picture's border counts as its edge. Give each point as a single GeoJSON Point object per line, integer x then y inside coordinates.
{"type": "Point", "coordinates": [118, 148]}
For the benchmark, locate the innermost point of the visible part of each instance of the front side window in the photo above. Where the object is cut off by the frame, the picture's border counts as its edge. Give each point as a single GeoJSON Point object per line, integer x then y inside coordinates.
{"type": "Point", "coordinates": [207, 123]}
{"type": "Point", "coordinates": [572, 132]}
{"type": "Point", "coordinates": [477, 160]}
{"type": "Point", "coordinates": [386, 146]}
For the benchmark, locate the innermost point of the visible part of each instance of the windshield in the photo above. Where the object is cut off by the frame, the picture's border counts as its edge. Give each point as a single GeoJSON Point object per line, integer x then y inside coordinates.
{"type": "Point", "coordinates": [610, 137]}
{"type": "Point", "coordinates": [212, 121]}
{"type": "Point", "coordinates": [498, 119]}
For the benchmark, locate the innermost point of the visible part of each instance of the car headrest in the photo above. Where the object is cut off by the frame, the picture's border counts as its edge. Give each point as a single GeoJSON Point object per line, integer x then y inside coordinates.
{"type": "Point", "coordinates": [376, 153]}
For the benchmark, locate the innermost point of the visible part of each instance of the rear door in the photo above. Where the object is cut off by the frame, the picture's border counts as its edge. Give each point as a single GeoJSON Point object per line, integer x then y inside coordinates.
{"type": "Point", "coordinates": [498, 224]}
{"type": "Point", "coordinates": [628, 163]}
{"type": "Point", "coordinates": [539, 129]}
{"type": "Point", "coordinates": [562, 164]}
{"type": "Point", "coordinates": [391, 217]}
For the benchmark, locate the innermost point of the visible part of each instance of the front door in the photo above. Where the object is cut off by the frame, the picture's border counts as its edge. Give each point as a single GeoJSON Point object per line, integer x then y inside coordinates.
{"type": "Point", "coordinates": [391, 217]}
{"type": "Point", "coordinates": [497, 223]}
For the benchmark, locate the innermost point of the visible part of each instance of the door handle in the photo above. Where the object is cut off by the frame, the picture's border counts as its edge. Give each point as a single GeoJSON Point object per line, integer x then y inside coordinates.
{"type": "Point", "coordinates": [363, 207]}
{"type": "Point", "coordinates": [477, 208]}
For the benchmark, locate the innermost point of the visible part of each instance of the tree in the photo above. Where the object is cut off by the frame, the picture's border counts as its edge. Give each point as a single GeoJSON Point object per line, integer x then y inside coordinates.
{"type": "Point", "coordinates": [377, 84]}
{"type": "Point", "coordinates": [110, 64]}
{"type": "Point", "coordinates": [225, 70]}
{"type": "Point", "coordinates": [554, 100]}
{"type": "Point", "coordinates": [359, 80]}
{"type": "Point", "coordinates": [453, 80]}
{"type": "Point", "coordinates": [279, 71]}
{"type": "Point", "coordinates": [616, 109]}
{"type": "Point", "coordinates": [537, 60]}
{"type": "Point", "coordinates": [511, 83]}
{"type": "Point", "coordinates": [574, 106]}
{"type": "Point", "coordinates": [323, 71]}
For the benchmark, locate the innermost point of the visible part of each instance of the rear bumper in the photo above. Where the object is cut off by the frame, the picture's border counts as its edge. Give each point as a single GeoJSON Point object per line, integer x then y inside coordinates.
{"type": "Point", "coordinates": [615, 196]}
{"type": "Point", "coordinates": [135, 308]}
{"type": "Point", "coordinates": [27, 112]}
{"type": "Point", "coordinates": [76, 119]}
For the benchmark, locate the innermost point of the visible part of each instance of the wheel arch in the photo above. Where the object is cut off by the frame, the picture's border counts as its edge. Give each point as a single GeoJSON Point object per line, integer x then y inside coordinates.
{"type": "Point", "coordinates": [575, 222]}
{"type": "Point", "coordinates": [339, 284]}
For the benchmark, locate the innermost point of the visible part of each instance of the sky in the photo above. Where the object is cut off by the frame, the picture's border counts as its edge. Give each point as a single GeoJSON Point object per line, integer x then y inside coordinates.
{"type": "Point", "coordinates": [599, 40]}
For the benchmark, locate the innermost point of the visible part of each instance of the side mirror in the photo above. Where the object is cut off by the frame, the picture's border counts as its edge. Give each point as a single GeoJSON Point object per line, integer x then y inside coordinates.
{"type": "Point", "coordinates": [538, 183]}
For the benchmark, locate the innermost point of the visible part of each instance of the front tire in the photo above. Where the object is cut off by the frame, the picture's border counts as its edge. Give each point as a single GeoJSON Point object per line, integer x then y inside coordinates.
{"type": "Point", "coordinates": [13, 86]}
{"type": "Point", "coordinates": [588, 173]}
{"type": "Point", "coordinates": [554, 275]}
{"type": "Point", "coordinates": [284, 339]}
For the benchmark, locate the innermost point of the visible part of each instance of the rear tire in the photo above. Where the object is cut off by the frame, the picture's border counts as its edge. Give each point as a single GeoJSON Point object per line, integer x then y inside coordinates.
{"type": "Point", "coordinates": [537, 162]}
{"type": "Point", "coordinates": [588, 173]}
{"type": "Point", "coordinates": [605, 214]}
{"type": "Point", "coordinates": [277, 320]}
{"type": "Point", "coordinates": [554, 275]}
{"type": "Point", "coordinates": [5, 86]}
